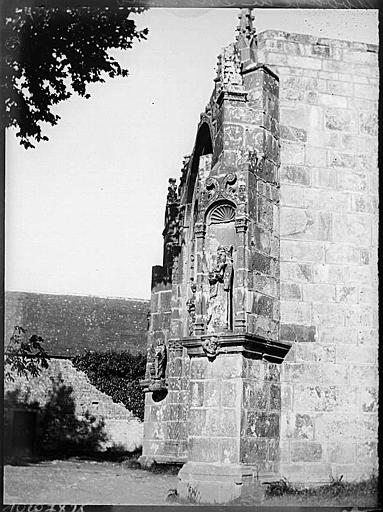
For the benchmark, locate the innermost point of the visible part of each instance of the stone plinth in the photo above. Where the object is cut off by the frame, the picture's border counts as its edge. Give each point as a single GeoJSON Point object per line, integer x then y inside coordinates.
{"type": "Point", "coordinates": [234, 416]}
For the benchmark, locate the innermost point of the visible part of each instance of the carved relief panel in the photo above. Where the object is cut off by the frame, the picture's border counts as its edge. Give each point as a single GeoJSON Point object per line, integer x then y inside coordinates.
{"type": "Point", "coordinates": [220, 268]}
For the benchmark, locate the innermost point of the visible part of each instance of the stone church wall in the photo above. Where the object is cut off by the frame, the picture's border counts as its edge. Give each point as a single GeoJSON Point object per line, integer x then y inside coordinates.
{"type": "Point", "coordinates": [272, 373]}
{"type": "Point", "coordinates": [329, 239]}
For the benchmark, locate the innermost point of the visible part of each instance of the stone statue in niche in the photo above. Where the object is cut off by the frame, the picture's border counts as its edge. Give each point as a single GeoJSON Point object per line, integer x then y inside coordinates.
{"type": "Point", "coordinates": [220, 296]}
{"type": "Point", "coordinates": [158, 365]}
{"type": "Point", "coordinates": [190, 306]}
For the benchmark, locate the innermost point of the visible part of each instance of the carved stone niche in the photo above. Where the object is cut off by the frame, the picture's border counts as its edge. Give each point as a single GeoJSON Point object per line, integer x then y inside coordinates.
{"type": "Point", "coordinates": [156, 369]}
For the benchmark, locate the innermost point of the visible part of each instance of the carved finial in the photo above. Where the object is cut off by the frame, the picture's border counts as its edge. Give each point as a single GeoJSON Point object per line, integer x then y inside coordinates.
{"type": "Point", "coordinates": [218, 78]}
{"type": "Point", "coordinates": [246, 39]}
{"type": "Point", "coordinates": [246, 27]}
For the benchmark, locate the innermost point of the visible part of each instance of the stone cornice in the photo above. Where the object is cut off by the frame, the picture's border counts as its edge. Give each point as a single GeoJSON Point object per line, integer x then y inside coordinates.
{"type": "Point", "coordinates": [153, 385]}
{"type": "Point", "coordinates": [248, 344]}
{"type": "Point", "coordinates": [231, 95]}
{"type": "Point", "coordinates": [259, 65]}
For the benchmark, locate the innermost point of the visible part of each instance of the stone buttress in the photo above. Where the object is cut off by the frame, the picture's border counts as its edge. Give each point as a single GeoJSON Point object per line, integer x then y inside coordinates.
{"type": "Point", "coordinates": [263, 343]}
{"type": "Point", "coordinates": [213, 375]}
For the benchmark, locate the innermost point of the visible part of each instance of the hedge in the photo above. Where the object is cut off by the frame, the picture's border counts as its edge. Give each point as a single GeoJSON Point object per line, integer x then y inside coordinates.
{"type": "Point", "coordinates": [117, 374]}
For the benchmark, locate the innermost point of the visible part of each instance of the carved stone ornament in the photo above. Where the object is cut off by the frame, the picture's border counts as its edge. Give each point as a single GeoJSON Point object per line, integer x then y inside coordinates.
{"type": "Point", "coordinates": [190, 307]}
{"type": "Point", "coordinates": [229, 69]}
{"type": "Point", "coordinates": [255, 160]}
{"type": "Point", "coordinates": [219, 311]}
{"type": "Point", "coordinates": [157, 366]}
{"type": "Point", "coordinates": [229, 186]}
{"type": "Point", "coordinates": [211, 347]}
{"type": "Point", "coordinates": [225, 188]}
{"type": "Point", "coordinates": [212, 190]}
{"type": "Point", "coordinates": [221, 214]}
{"type": "Point", "coordinates": [172, 196]}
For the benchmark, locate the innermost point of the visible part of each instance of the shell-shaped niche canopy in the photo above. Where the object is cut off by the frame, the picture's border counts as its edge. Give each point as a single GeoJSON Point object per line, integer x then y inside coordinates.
{"type": "Point", "coordinates": [222, 213]}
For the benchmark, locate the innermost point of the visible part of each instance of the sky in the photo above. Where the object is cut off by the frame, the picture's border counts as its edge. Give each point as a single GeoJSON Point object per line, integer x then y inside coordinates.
{"type": "Point", "coordinates": [85, 210]}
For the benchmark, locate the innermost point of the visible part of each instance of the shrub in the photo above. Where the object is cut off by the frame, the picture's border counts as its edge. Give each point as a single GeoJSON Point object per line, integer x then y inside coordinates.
{"type": "Point", "coordinates": [26, 358]}
{"type": "Point", "coordinates": [117, 374]}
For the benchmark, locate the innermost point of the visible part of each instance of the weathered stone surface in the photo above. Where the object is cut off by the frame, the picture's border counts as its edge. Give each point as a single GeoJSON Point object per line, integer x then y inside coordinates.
{"type": "Point", "coordinates": [264, 284]}
{"type": "Point", "coordinates": [295, 174]}
{"type": "Point", "coordinates": [313, 353]}
{"type": "Point", "coordinates": [298, 333]}
{"type": "Point", "coordinates": [298, 272]}
{"type": "Point", "coordinates": [292, 153]}
{"type": "Point", "coordinates": [254, 451]}
{"type": "Point", "coordinates": [293, 134]}
{"type": "Point", "coordinates": [339, 119]}
{"type": "Point", "coordinates": [292, 195]}
{"type": "Point", "coordinates": [342, 254]}
{"type": "Point", "coordinates": [333, 200]}
{"type": "Point", "coordinates": [368, 123]}
{"type": "Point", "coordinates": [316, 157]}
{"type": "Point", "coordinates": [302, 372]}
{"type": "Point", "coordinates": [370, 92]}
{"type": "Point", "coordinates": [304, 427]}
{"type": "Point", "coordinates": [341, 452]}
{"type": "Point", "coordinates": [294, 312]}
{"type": "Point", "coordinates": [204, 449]}
{"type": "Point", "coordinates": [305, 451]}
{"type": "Point", "coordinates": [261, 424]}
{"type": "Point", "coordinates": [319, 293]}
{"type": "Point", "coordinates": [304, 62]}
{"type": "Point", "coordinates": [291, 291]}
{"type": "Point", "coordinates": [305, 224]}
{"type": "Point", "coordinates": [301, 251]}
{"type": "Point", "coordinates": [228, 451]}
{"type": "Point", "coordinates": [353, 181]}
{"type": "Point", "coordinates": [352, 228]}
{"type": "Point", "coordinates": [305, 257]}
{"type": "Point", "coordinates": [347, 294]}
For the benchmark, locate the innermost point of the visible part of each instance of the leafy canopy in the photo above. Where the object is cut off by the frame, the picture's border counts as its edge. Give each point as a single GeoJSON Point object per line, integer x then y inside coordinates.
{"type": "Point", "coordinates": [27, 358]}
{"type": "Point", "coordinates": [49, 53]}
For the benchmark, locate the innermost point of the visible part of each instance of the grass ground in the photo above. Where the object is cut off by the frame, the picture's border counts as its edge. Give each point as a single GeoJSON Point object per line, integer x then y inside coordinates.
{"type": "Point", "coordinates": [79, 482]}
{"type": "Point", "coordinates": [337, 493]}
{"type": "Point", "coordinates": [122, 482]}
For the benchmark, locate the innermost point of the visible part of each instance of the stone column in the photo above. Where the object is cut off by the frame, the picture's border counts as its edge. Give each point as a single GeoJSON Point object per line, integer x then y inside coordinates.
{"type": "Point", "coordinates": [241, 272]}
{"type": "Point", "coordinates": [200, 231]}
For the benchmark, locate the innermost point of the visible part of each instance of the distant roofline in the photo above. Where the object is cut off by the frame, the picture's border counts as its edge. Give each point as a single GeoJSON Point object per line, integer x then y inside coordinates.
{"type": "Point", "coordinates": [132, 299]}
{"type": "Point", "coordinates": [316, 39]}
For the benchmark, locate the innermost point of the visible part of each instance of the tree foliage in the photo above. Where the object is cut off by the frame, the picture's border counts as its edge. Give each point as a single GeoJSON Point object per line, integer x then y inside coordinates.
{"type": "Point", "coordinates": [23, 357]}
{"type": "Point", "coordinates": [49, 53]}
{"type": "Point", "coordinates": [117, 374]}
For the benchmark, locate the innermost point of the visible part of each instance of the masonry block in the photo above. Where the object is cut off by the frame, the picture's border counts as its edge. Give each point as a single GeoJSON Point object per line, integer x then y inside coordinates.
{"type": "Point", "coordinates": [306, 451]}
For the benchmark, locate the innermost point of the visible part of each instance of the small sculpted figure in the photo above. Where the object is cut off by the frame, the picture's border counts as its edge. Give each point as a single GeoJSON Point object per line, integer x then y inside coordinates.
{"type": "Point", "coordinates": [211, 347]}
{"type": "Point", "coordinates": [220, 280]}
{"type": "Point", "coordinates": [190, 306]}
{"type": "Point", "coordinates": [160, 361]}
{"type": "Point", "coordinates": [172, 191]}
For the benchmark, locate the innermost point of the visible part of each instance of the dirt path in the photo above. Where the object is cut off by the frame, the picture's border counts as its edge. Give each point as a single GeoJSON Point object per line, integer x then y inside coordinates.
{"type": "Point", "coordinates": [85, 482]}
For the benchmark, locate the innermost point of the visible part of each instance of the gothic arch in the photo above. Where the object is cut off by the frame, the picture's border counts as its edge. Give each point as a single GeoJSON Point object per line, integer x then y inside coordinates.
{"type": "Point", "coordinates": [203, 146]}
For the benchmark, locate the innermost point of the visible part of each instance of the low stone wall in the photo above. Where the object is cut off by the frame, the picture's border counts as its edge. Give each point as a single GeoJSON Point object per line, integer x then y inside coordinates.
{"type": "Point", "coordinates": [61, 381]}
